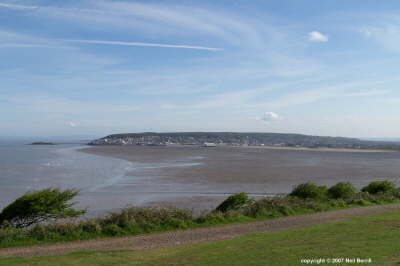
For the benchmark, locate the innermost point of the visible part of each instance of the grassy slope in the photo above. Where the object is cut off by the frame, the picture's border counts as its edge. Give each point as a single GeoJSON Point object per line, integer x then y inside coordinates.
{"type": "Point", "coordinates": [375, 237]}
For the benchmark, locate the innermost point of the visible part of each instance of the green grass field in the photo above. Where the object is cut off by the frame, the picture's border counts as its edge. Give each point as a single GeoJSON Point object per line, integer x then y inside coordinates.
{"type": "Point", "coordinates": [375, 237]}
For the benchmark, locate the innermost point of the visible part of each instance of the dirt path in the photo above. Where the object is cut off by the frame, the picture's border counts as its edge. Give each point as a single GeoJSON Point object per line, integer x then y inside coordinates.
{"type": "Point", "coordinates": [197, 235]}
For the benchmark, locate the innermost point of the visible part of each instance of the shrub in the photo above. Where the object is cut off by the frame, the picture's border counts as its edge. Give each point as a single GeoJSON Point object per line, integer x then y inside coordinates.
{"type": "Point", "coordinates": [9, 234]}
{"type": "Point", "coordinates": [361, 202]}
{"type": "Point", "coordinates": [395, 193]}
{"type": "Point", "coordinates": [176, 223]}
{"type": "Point", "coordinates": [63, 229]}
{"type": "Point", "coordinates": [90, 227]}
{"type": "Point", "coordinates": [211, 218]}
{"type": "Point", "coordinates": [112, 230]}
{"type": "Point", "coordinates": [39, 206]}
{"type": "Point", "coordinates": [379, 186]}
{"type": "Point", "coordinates": [38, 232]}
{"type": "Point", "coordinates": [342, 190]}
{"type": "Point", "coordinates": [234, 202]}
{"type": "Point", "coordinates": [146, 215]}
{"type": "Point", "coordinates": [309, 191]}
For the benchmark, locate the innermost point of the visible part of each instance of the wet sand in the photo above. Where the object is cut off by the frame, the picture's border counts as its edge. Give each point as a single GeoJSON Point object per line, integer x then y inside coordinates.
{"type": "Point", "coordinates": [200, 178]}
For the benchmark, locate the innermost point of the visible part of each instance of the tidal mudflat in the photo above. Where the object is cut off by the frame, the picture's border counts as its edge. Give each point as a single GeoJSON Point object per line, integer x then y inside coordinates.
{"type": "Point", "coordinates": [199, 178]}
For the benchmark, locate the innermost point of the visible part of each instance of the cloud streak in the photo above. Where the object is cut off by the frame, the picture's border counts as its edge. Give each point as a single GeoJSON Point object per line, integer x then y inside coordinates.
{"type": "Point", "coordinates": [146, 44]}
{"type": "Point", "coordinates": [28, 45]}
{"type": "Point", "coordinates": [18, 7]}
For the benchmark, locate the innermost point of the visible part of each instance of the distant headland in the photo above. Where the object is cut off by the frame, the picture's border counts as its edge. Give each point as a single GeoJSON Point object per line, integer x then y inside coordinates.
{"type": "Point", "coordinates": [244, 139]}
{"type": "Point", "coordinates": [42, 143]}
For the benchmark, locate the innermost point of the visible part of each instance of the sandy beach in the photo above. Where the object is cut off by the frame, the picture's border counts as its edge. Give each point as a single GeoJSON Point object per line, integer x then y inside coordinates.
{"type": "Point", "coordinates": [200, 178]}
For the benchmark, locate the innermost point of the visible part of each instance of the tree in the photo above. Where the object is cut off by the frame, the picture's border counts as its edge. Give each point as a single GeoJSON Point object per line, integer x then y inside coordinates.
{"type": "Point", "coordinates": [39, 206]}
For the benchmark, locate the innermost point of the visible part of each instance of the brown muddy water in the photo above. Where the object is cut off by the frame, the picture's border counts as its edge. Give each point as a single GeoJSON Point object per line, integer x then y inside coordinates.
{"type": "Point", "coordinates": [111, 177]}
{"type": "Point", "coordinates": [200, 178]}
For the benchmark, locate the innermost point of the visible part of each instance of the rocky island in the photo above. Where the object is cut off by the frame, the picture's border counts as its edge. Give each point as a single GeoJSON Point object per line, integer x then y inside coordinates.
{"type": "Point", "coordinates": [42, 143]}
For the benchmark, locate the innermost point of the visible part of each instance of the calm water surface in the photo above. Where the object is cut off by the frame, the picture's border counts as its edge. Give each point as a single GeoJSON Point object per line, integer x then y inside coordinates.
{"type": "Point", "coordinates": [192, 177]}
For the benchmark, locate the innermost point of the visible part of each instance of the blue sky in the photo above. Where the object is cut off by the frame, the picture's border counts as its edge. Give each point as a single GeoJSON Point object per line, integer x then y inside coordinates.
{"type": "Point", "coordinates": [96, 67]}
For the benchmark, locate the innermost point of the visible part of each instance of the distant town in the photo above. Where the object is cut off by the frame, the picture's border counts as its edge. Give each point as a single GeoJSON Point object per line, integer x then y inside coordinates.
{"type": "Point", "coordinates": [213, 139]}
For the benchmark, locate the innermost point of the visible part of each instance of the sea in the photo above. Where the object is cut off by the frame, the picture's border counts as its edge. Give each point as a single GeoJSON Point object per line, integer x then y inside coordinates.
{"type": "Point", "coordinates": [194, 178]}
{"type": "Point", "coordinates": [103, 182]}
{"type": "Point", "coordinates": [25, 168]}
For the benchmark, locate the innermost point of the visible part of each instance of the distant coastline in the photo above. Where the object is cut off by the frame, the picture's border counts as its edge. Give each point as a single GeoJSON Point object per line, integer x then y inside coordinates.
{"type": "Point", "coordinates": [250, 139]}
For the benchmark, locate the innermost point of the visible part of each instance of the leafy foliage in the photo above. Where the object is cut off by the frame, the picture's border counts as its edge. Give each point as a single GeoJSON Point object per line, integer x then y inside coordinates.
{"type": "Point", "coordinates": [379, 186]}
{"type": "Point", "coordinates": [234, 202]}
{"type": "Point", "coordinates": [342, 190]}
{"type": "Point", "coordinates": [237, 208]}
{"type": "Point", "coordinates": [309, 191]}
{"type": "Point", "coordinates": [40, 206]}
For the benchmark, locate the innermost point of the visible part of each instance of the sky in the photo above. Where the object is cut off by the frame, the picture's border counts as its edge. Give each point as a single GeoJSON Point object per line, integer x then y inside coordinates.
{"type": "Point", "coordinates": [97, 67]}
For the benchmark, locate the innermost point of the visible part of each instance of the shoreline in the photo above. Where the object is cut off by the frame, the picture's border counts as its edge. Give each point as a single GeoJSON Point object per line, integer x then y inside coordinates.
{"type": "Point", "coordinates": [255, 147]}
{"type": "Point", "coordinates": [315, 149]}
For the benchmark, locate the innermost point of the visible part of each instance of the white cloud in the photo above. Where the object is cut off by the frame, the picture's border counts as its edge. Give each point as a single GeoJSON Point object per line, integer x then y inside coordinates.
{"type": "Point", "coordinates": [271, 117]}
{"type": "Point", "coordinates": [146, 44]}
{"type": "Point", "coordinates": [71, 124]}
{"type": "Point", "coordinates": [316, 36]}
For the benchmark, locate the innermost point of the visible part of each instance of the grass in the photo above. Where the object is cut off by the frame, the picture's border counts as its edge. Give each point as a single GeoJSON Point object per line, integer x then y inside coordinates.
{"type": "Point", "coordinates": [136, 220]}
{"type": "Point", "coordinates": [375, 237]}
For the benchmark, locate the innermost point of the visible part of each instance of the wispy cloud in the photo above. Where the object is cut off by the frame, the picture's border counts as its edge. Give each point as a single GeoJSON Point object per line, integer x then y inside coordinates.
{"type": "Point", "coordinates": [50, 105]}
{"type": "Point", "coordinates": [18, 7]}
{"type": "Point", "coordinates": [146, 44]}
{"type": "Point", "coordinates": [385, 31]}
{"type": "Point", "coordinates": [28, 45]}
{"type": "Point", "coordinates": [18, 40]}
{"type": "Point", "coordinates": [322, 93]}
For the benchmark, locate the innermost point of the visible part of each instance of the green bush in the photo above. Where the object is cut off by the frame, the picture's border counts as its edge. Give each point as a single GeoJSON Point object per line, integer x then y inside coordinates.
{"type": "Point", "coordinates": [40, 206]}
{"type": "Point", "coordinates": [309, 191]}
{"type": "Point", "coordinates": [39, 232]}
{"type": "Point", "coordinates": [9, 234]}
{"type": "Point", "coordinates": [112, 230]}
{"type": "Point", "coordinates": [379, 186]}
{"type": "Point", "coordinates": [361, 202]}
{"type": "Point", "coordinates": [176, 223]}
{"type": "Point", "coordinates": [211, 218]}
{"type": "Point", "coordinates": [233, 202]}
{"type": "Point", "coordinates": [342, 190]}
{"type": "Point", "coordinates": [91, 227]}
{"type": "Point", "coordinates": [146, 215]}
